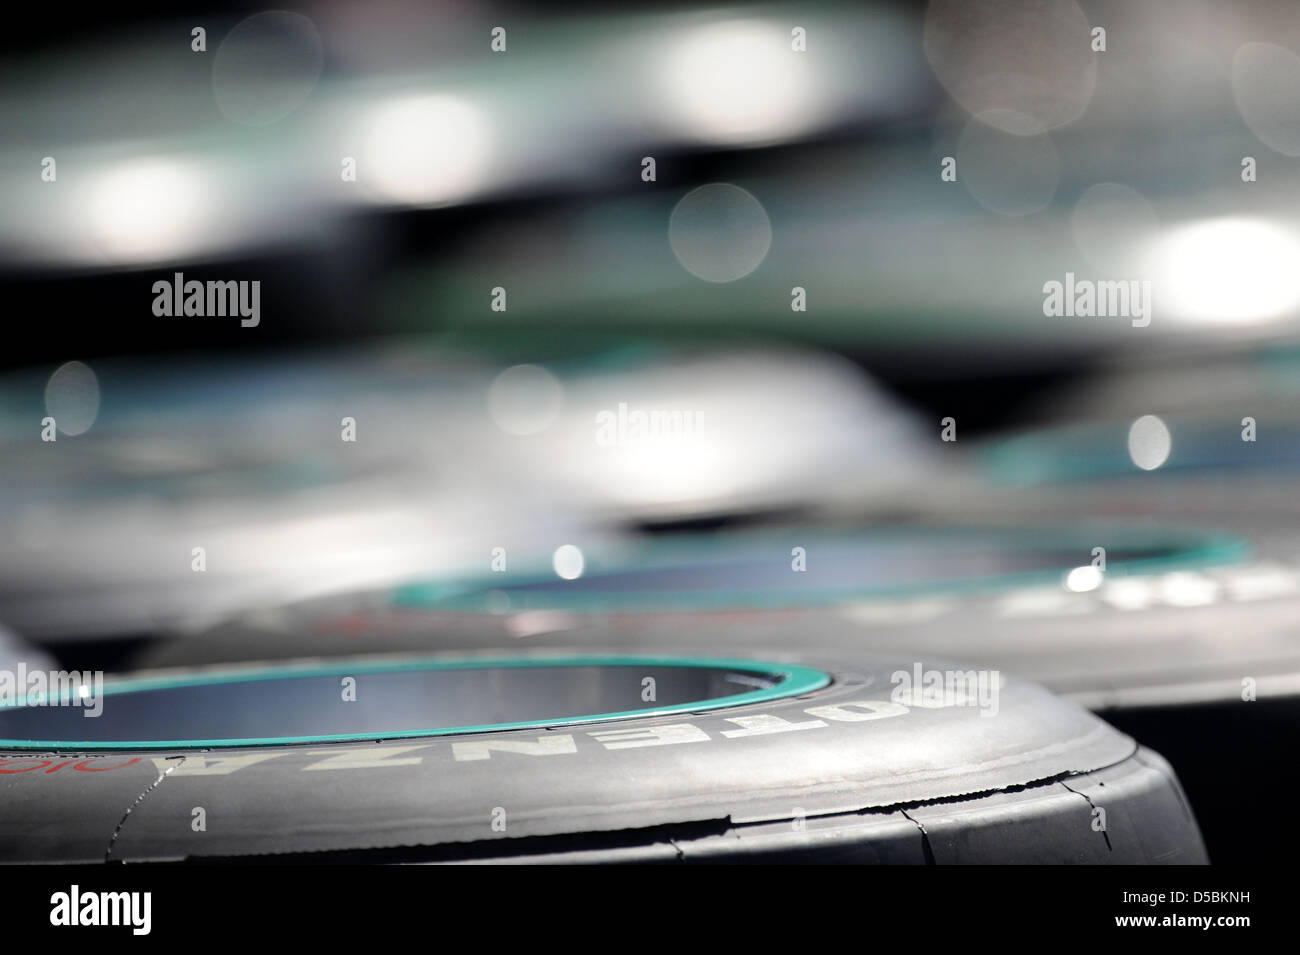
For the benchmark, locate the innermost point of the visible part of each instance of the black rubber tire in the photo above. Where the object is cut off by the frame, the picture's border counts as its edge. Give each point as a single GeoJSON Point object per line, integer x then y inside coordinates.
{"type": "Point", "coordinates": [849, 776]}
{"type": "Point", "coordinates": [1087, 647]}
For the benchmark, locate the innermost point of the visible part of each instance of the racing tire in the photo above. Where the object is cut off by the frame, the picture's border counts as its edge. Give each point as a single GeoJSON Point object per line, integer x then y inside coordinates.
{"type": "Point", "coordinates": [731, 760]}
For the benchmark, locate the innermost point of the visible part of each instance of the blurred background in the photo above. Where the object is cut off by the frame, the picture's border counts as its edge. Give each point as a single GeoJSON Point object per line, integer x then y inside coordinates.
{"type": "Point", "coordinates": [591, 327]}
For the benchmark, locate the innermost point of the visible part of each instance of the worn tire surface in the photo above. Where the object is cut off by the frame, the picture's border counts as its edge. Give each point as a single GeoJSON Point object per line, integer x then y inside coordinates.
{"type": "Point", "coordinates": [845, 772]}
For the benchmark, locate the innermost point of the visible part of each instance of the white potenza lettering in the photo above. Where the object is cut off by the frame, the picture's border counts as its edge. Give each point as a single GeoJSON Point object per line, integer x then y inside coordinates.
{"type": "Point", "coordinates": [875, 710]}
{"type": "Point", "coordinates": [555, 745]}
{"type": "Point", "coordinates": [651, 736]}
{"type": "Point", "coordinates": [765, 724]}
{"type": "Point", "coordinates": [367, 757]}
{"type": "Point", "coordinates": [211, 765]}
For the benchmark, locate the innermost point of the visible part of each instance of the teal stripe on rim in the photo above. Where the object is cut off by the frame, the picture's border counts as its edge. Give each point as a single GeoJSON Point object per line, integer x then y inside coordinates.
{"type": "Point", "coordinates": [1087, 452]}
{"type": "Point", "coordinates": [1020, 557]}
{"type": "Point", "coordinates": [789, 680]}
